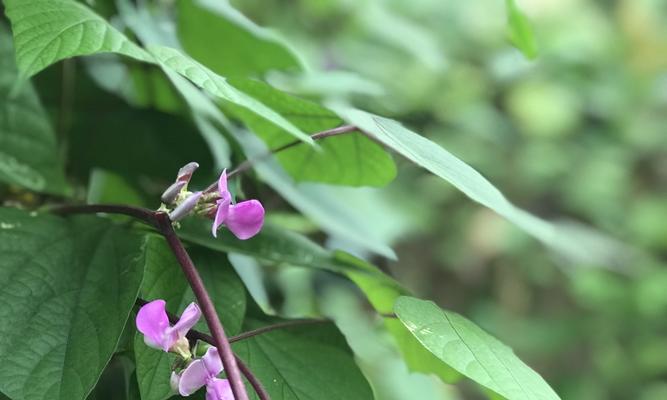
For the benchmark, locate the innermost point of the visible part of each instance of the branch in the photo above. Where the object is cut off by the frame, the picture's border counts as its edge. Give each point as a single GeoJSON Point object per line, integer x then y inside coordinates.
{"type": "Point", "coordinates": [204, 300]}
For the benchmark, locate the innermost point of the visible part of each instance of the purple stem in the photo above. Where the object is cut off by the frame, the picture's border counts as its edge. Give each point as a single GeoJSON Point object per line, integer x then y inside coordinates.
{"type": "Point", "coordinates": [204, 300]}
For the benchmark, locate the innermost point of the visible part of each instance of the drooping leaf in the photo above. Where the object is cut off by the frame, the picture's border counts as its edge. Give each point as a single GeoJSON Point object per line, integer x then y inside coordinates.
{"type": "Point", "coordinates": [519, 31]}
{"type": "Point", "coordinates": [47, 31]}
{"type": "Point", "coordinates": [471, 351]}
{"type": "Point", "coordinates": [442, 163]}
{"type": "Point", "coordinates": [164, 280]}
{"type": "Point", "coordinates": [218, 86]}
{"type": "Point", "coordinates": [351, 159]}
{"type": "Point", "coordinates": [28, 151]}
{"type": "Point", "coordinates": [107, 187]}
{"type": "Point", "coordinates": [224, 40]}
{"type": "Point", "coordinates": [302, 362]}
{"type": "Point", "coordinates": [68, 286]}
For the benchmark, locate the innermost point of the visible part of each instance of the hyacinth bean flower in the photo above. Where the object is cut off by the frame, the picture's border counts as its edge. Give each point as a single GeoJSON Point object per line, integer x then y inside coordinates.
{"type": "Point", "coordinates": [153, 322]}
{"type": "Point", "coordinates": [244, 219]}
{"type": "Point", "coordinates": [204, 372]}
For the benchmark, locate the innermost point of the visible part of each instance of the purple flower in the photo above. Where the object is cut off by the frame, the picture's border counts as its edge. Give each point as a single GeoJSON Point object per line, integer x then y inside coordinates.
{"type": "Point", "coordinates": [153, 322]}
{"type": "Point", "coordinates": [203, 372]}
{"type": "Point", "coordinates": [244, 219]}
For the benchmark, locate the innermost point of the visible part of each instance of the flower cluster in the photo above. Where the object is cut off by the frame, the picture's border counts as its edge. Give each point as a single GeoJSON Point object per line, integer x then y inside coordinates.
{"type": "Point", "coordinates": [244, 219]}
{"type": "Point", "coordinates": [153, 323]}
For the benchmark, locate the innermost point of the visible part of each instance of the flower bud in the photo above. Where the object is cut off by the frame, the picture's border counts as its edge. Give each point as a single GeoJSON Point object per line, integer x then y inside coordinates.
{"type": "Point", "coordinates": [169, 195]}
{"type": "Point", "coordinates": [185, 207]}
{"type": "Point", "coordinates": [185, 173]}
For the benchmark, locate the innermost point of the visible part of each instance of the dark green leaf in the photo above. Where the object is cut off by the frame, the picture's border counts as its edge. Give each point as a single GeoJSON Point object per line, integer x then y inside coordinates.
{"type": "Point", "coordinates": [351, 159]}
{"type": "Point", "coordinates": [302, 362]}
{"type": "Point", "coordinates": [471, 351]}
{"type": "Point", "coordinates": [67, 289]}
{"type": "Point", "coordinates": [47, 31]}
{"type": "Point", "coordinates": [28, 150]}
{"type": "Point", "coordinates": [224, 40]}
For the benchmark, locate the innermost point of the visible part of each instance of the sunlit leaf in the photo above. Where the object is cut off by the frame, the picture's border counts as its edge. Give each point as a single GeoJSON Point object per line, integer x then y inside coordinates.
{"type": "Point", "coordinates": [47, 31]}
{"type": "Point", "coordinates": [519, 31]}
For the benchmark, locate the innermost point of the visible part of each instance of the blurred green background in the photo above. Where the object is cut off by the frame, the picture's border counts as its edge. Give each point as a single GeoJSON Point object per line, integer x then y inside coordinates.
{"type": "Point", "coordinates": [579, 133]}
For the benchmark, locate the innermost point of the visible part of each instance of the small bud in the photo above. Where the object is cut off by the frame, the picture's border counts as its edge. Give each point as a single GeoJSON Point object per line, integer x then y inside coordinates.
{"type": "Point", "coordinates": [185, 207]}
{"type": "Point", "coordinates": [182, 348]}
{"type": "Point", "coordinates": [185, 173]}
{"type": "Point", "coordinates": [169, 195]}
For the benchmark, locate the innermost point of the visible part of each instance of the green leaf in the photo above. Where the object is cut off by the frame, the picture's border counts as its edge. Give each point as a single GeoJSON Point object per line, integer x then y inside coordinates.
{"type": "Point", "coordinates": [107, 187]}
{"type": "Point", "coordinates": [28, 150]}
{"type": "Point", "coordinates": [471, 351]}
{"type": "Point", "coordinates": [218, 86]}
{"type": "Point", "coordinates": [223, 39]}
{"type": "Point", "coordinates": [319, 203]}
{"type": "Point", "coordinates": [519, 31]}
{"type": "Point", "coordinates": [47, 31]}
{"type": "Point", "coordinates": [271, 245]}
{"type": "Point", "coordinates": [579, 245]}
{"type": "Point", "coordinates": [382, 292]}
{"type": "Point", "coordinates": [68, 286]}
{"type": "Point", "coordinates": [351, 159]}
{"type": "Point", "coordinates": [163, 279]}
{"type": "Point", "coordinates": [302, 362]}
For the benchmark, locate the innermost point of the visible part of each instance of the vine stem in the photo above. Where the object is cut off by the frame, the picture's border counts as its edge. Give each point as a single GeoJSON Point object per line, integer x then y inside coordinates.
{"type": "Point", "coordinates": [247, 164]}
{"type": "Point", "coordinates": [161, 221]}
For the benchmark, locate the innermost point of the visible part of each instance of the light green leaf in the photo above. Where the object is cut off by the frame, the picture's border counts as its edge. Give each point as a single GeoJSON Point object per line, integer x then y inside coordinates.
{"type": "Point", "coordinates": [471, 351]}
{"type": "Point", "coordinates": [302, 362]}
{"type": "Point", "coordinates": [28, 150]}
{"type": "Point", "coordinates": [47, 31]}
{"type": "Point", "coordinates": [107, 187]}
{"type": "Point", "coordinates": [351, 159]}
{"type": "Point", "coordinates": [163, 279]}
{"type": "Point", "coordinates": [442, 163]}
{"type": "Point", "coordinates": [218, 86]}
{"type": "Point", "coordinates": [68, 287]}
{"type": "Point", "coordinates": [519, 31]}
{"type": "Point", "coordinates": [223, 39]}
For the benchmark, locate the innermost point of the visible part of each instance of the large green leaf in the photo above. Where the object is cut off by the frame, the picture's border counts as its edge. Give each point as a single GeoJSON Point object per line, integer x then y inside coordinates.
{"type": "Point", "coordinates": [47, 31]}
{"type": "Point", "coordinates": [163, 279]}
{"type": "Point", "coordinates": [28, 151]}
{"type": "Point", "coordinates": [351, 159]}
{"type": "Point", "coordinates": [579, 245]}
{"type": "Point", "coordinates": [218, 86]}
{"type": "Point", "coordinates": [519, 30]}
{"type": "Point", "coordinates": [68, 287]}
{"type": "Point", "coordinates": [302, 362]}
{"type": "Point", "coordinates": [471, 351]}
{"type": "Point", "coordinates": [223, 39]}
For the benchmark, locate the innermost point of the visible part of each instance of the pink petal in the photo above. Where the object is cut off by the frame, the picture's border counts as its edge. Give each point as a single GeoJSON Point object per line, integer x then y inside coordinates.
{"type": "Point", "coordinates": [245, 219]}
{"type": "Point", "coordinates": [153, 322]}
{"type": "Point", "coordinates": [219, 389]}
{"type": "Point", "coordinates": [222, 183]}
{"type": "Point", "coordinates": [220, 214]}
{"type": "Point", "coordinates": [188, 319]}
{"type": "Point", "coordinates": [212, 362]}
{"type": "Point", "coordinates": [192, 378]}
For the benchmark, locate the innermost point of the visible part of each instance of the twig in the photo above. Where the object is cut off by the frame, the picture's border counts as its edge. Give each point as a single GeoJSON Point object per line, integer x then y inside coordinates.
{"type": "Point", "coordinates": [247, 164]}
